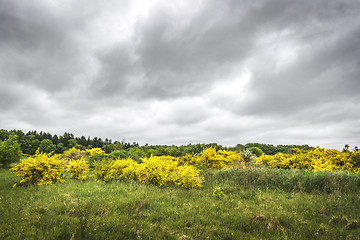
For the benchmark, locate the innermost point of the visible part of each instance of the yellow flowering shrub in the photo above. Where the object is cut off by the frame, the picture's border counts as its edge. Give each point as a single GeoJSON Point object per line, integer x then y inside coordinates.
{"type": "Point", "coordinates": [67, 152]}
{"type": "Point", "coordinates": [40, 169]}
{"type": "Point", "coordinates": [156, 170]}
{"type": "Point", "coordinates": [191, 159]}
{"type": "Point", "coordinates": [221, 159]}
{"type": "Point", "coordinates": [187, 177]}
{"type": "Point", "coordinates": [95, 151]}
{"type": "Point", "coordinates": [78, 168]}
{"type": "Point", "coordinates": [163, 170]}
{"type": "Point", "coordinates": [102, 169]}
{"type": "Point", "coordinates": [317, 159]}
{"type": "Point", "coordinates": [123, 167]}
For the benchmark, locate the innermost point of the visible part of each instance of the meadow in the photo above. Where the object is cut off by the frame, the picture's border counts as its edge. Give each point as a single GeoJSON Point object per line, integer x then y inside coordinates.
{"type": "Point", "coordinates": [236, 203]}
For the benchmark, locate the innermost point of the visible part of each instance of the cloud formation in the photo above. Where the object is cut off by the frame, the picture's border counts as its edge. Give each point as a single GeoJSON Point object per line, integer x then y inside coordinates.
{"type": "Point", "coordinates": [160, 72]}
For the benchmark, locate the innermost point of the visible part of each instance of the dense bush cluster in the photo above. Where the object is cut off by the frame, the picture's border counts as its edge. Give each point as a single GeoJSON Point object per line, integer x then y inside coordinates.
{"type": "Point", "coordinates": [46, 168]}
{"type": "Point", "coordinates": [155, 170]}
{"type": "Point", "coordinates": [317, 159]}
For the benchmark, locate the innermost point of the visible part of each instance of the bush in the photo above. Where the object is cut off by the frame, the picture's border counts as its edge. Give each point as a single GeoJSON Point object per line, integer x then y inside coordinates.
{"type": "Point", "coordinates": [78, 168]}
{"type": "Point", "coordinates": [164, 170]}
{"type": "Point", "coordinates": [187, 177]}
{"type": "Point", "coordinates": [218, 159]}
{"type": "Point", "coordinates": [317, 159]}
{"type": "Point", "coordinates": [102, 169]}
{"type": "Point", "coordinates": [94, 151]}
{"type": "Point", "coordinates": [257, 151]}
{"type": "Point", "coordinates": [156, 170]}
{"type": "Point", "coordinates": [42, 169]}
{"type": "Point", "coordinates": [123, 168]}
{"type": "Point", "coordinates": [69, 151]}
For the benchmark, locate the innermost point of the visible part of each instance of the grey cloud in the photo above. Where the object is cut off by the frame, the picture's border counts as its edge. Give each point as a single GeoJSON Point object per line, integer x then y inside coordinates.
{"type": "Point", "coordinates": [68, 66]}
{"type": "Point", "coordinates": [326, 70]}
{"type": "Point", "coordinates": [37, 46]}
{"type": "Point", "coordinates": [180, 60]}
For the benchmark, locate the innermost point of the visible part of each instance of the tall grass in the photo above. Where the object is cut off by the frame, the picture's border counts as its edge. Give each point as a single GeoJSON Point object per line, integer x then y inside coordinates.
{"type": "Point", "coordinates": [287, 180]}
{"type": "Point", "coordinates": [254, 204]}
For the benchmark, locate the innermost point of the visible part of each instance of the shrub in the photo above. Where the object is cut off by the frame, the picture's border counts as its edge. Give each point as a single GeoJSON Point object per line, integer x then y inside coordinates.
{"type": "Point", "coordinates": [257, 151]}
{"type": "Point", "coordinates": [78, 168]}
{"type": "Point", "coordinates": [123, 167]}
{"type": "Point", "coordinates": [42, 169]}
{"type": "Point", "coordinates": [75, 155]}
{"type": "Point", "coordinates": [247, 155]}
{"type": "Point", "coordinates": [317, 159]}
{"type": "Point", "coordinates": [156, 170]}
{"type": "Point", "coordinates": [218, 159]}
{"type": "Point", "coordinates": [94, 151]}
{"type": "Point", "coordinates": [164, 170]}
{"type": "Point", "coordinates": [102, 169]}
{"type": "Point", "coordinates": [73, 149]}
{"type": "Point", "coordinates": [187, 177]}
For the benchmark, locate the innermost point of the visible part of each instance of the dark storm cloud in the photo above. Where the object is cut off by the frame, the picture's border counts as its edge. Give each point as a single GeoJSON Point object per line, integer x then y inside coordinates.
{"type": "Point", "coordinates": [36, 46]}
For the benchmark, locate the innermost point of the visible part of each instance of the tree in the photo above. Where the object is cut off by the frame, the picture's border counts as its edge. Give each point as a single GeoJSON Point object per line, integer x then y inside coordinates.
{"type": "Point", "coordinates": [60, 148]}
{"type": "Point", "coordinates": [30, 144]}
{"type": "Point", "coordinates": [3, 134]}
{"type": "Point", "coordinates": [9, 151]}
{"type": "Point", "coordinates": [47, 146]}
{"type": "Point", "coordinates": [255, 150]}
{"type": "Point", "coordinates": [72, 143]}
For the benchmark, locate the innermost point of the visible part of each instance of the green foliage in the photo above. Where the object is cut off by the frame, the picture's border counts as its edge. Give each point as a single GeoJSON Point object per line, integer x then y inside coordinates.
{"type": "Point", "coordinates": [10, 151]}
{"type": "Point", "coordinates": [4, 134]}
{"type": "Point", "coordinates": [256, 151]}
{"type": "Point", "coordinates": [47, 146]}
{"type": "Point", "coordinates": [247, 155]}
{"type": "Point", "coordinates": [270, 149]}
{"type": "Point", "coordinates": [60, 148]}
{"type": "Point", "coordinates": [218, 193]}
{"type": "Point", "coordinates": [41, 169]}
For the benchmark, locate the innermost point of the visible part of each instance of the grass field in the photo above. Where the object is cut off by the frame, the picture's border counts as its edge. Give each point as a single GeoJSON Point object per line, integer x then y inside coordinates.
{"type": "Point", "coordinates": [254, 203]}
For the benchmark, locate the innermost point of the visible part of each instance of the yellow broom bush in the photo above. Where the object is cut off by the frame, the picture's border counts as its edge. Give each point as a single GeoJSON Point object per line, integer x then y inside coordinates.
{"type": "Point", "coordinates": [94, 151]}
{"type": "Point", "coordinates": [317, 159]}
{"type": "Point", "coordinates": [221, 159]}
{"type": "Point", "coordinates": [40, 169]}
{"type": "Point", "coordinates": [78, 168]}
{"type": "Point", "coordinates": [164, 170]}
{"type": "Point", "coordinates": [123, 168]}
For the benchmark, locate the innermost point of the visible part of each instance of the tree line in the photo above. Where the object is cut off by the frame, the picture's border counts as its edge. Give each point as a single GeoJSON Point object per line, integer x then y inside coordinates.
{"type": "Point", "coordinates": [29, 142]}
{"type": "Point", "coordinates": [47, 142]}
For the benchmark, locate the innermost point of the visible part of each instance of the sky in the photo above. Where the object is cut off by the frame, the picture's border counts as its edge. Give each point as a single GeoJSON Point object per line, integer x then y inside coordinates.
{"type": "Point", "coordinates": [179, 72]}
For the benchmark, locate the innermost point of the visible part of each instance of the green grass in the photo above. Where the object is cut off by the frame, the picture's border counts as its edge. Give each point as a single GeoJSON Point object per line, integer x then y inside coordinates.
{"type": "Point", "coordinates": [257, 203]}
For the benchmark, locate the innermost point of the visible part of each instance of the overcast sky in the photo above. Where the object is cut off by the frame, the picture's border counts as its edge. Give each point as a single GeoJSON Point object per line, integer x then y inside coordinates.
{"type": "Point", "coordinates": [179, 72]}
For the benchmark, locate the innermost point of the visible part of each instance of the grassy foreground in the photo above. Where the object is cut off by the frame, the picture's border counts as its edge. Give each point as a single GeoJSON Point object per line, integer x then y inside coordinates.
{"type": "Point", "coordinates": [256, 203]}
